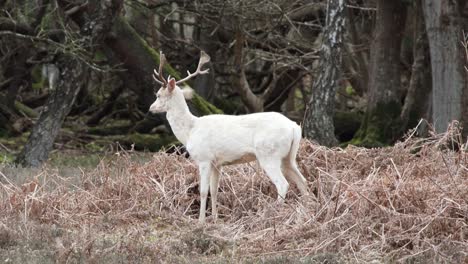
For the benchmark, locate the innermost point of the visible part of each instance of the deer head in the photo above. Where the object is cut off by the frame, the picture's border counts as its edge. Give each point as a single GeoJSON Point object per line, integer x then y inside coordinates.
{"type": "Point", "coordinates": [170, 94]}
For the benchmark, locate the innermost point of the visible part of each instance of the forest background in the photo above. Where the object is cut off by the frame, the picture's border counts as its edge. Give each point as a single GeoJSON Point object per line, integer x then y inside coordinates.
{"type": "Point", "coordinates": [77, 74]}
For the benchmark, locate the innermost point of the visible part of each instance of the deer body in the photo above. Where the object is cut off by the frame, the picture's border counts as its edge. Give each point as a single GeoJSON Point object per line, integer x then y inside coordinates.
{"type": "Point", "coordinates": [235, 139]}
{"type": "Point", "coordinates": [217, 140]}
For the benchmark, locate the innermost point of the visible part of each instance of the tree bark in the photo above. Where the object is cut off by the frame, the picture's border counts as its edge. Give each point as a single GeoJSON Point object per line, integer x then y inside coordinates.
{"type": "Point", "coordinates": [73, 72]}
{"type": "Point", "coordinates": [418, 96]}
{"type": "Point", "coordinates": [318, 121]}
{"type": "Point", "coordinates": [58, 105]}
{"type": "Point", "coordinates": [449, 78]}
{"type": "Point", "coordinates": [382, 119]}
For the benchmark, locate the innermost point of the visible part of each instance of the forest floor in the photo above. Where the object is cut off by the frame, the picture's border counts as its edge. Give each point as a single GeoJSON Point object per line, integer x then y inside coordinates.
{"type": "Point", "coordinates": [402, 204]}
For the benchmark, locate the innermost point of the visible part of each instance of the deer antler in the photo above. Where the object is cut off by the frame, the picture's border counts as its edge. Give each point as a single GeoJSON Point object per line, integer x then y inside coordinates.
{"type": "Point", "coordinates": [204, 58]}
{"type": "Point", "coordinates": [157, 76]}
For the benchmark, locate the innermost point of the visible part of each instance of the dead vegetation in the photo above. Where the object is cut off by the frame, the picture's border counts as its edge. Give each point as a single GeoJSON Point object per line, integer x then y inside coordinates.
{"type": "Point", "coordinates": [406, 204]}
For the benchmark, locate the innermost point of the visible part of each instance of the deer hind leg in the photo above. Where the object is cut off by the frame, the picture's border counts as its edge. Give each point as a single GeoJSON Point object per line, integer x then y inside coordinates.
{"type": "Point", "coordinates": [293, 174]}
{"type": "Point", "coordinates": [206, 170]}
{"type": "Point", "coordinates": [214, 182]}
{"type": "Point", "coordinates": [272, 167]}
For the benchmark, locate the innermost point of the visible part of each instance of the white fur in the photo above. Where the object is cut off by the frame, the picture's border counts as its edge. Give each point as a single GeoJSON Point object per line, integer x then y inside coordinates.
{"type": "Point", "coordinates": [217, 140]}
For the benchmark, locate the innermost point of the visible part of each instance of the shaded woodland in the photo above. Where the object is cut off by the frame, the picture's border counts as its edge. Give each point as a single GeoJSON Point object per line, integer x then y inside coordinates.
{"type": "Point", "coordinates": [76, 75]}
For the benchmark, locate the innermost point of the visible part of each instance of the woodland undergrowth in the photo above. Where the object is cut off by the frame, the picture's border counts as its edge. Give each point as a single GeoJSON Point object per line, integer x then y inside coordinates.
{"type": "Point", "coordinates": [407, 204]}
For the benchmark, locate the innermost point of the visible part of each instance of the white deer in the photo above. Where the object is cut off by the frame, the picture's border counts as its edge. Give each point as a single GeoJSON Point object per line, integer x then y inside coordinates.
{"type": "Point", "coordinates": [216, 140]}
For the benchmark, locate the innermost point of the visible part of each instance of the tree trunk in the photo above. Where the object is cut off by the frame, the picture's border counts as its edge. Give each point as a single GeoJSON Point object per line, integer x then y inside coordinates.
{"type": "Point", "coordinates": [356, 61]}
{"type": "Point", "coordinates": [253, 102]}
{"type": "Point", "coordinates": [286, 82]}
{"type": "Point", "coordinates": [318, 121]}
{"type": "Point", "coordinates": [139, 60]}
{"type": "Point", "coordinates": [58, 105]}
{"type": "Point", "coordinates": [449, 78]}
{"type": "Point", "coordinates": [95, 26]}
{"type": "Point", "coordinates": [418, 96]}
{"type": "Point", "coordinates": [204, 84]}
{"type": "Point", "coordinates": [382, 119]}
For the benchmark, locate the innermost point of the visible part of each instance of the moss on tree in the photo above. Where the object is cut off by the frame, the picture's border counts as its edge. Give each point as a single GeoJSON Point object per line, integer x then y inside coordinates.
{"type": "Point", "coordinates": [22, 108]}
{"type": "Point", "coordinates": [381, 126]}
{"type": "Point", "coordinates": [203, 107]}
{"type": "Point", "coordinates": [140, 46]}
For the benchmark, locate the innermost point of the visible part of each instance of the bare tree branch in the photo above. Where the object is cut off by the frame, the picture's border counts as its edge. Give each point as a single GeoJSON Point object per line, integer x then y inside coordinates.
{"type": "Point", "coordinates": [253, 103]}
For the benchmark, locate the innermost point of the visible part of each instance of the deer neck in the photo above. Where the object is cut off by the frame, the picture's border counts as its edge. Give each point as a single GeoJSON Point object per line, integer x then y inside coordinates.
{"type": "Point", "coordinates": [180, 119]}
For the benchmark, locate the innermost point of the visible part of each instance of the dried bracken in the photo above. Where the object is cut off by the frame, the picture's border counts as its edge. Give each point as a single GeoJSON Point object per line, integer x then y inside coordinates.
{"type": "Point", "coordinates": [403, 203]}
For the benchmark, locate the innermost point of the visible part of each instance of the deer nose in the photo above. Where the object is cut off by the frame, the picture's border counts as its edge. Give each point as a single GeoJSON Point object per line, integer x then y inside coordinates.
{"type": "Point", "coordinates": [154, 109]}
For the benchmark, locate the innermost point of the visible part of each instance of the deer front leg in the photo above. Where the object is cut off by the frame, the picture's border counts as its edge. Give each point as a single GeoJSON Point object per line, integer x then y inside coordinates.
{"type": "Point", "coordinates": [214, 182]}
{"type": "Point", "coordinates": [205, 173]}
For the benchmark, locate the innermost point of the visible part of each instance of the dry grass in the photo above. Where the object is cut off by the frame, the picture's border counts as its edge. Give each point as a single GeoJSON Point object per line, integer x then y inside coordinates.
{"type": "Point", "coordinates": [407, 203]}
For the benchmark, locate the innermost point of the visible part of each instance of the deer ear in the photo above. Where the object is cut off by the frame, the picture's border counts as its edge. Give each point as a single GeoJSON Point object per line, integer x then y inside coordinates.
{"type": "Point", "coordinates": [171, 84]}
